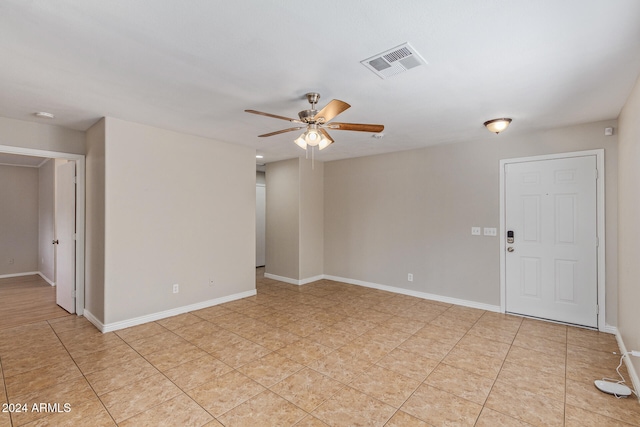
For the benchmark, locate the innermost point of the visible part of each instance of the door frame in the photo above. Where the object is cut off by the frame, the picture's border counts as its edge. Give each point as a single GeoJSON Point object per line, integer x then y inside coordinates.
{"type": "Point", "coordinates": [600, 212]}
{"type": "Point", "coordinates": [80, 207]}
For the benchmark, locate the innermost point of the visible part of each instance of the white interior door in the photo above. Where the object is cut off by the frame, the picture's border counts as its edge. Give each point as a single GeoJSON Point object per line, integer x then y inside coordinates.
{"type": "Point", "coordinates": [261, 198]}
{"type": "Point", "coordinates": [65, 228]}
{"type": "Point", "coordinates": [551, 264]}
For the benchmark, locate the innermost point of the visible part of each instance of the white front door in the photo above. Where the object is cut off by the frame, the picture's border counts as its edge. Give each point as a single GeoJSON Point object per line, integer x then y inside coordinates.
{"type": "Point", "coordinates": [551, 263]}
{"type": "Point", "coordinates": [65, 228]}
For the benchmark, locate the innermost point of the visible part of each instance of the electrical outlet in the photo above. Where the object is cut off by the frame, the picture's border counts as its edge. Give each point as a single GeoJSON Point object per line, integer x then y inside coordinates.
{"type": "Point", "coordinates": [475, 231]}
{"type": "Point", "coordinates": [176, 288]}
{"type": "Point", "coordinates": [410, 277]}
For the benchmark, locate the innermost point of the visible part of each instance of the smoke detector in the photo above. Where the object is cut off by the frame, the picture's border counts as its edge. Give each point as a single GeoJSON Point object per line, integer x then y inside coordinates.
{"type": "Point", "coordinates": [394, 61]}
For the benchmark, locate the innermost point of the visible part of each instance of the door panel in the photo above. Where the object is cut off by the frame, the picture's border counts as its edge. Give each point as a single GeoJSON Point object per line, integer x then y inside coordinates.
{"type": "Point", "coordinates": [65, 228]}
{"type": "Point", "coordinates": [551, 267]}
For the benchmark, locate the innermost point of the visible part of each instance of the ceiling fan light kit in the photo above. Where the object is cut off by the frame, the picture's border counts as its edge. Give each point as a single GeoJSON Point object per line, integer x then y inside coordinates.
{"type": "Point", "coordinates": [316, 122]}
{"type": "Point", "coordinates": [497, 125]}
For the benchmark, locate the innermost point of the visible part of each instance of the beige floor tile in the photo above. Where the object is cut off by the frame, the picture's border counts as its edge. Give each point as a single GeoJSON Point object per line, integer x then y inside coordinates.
{"type": "Point", "coordinates": [577, 417]}
{"type": "Point", "coordinates": [99, 360]}
{"type": "Point", "coordinates": [426, 347]}
{"type": "Point", "coordinates": [225, 392]}
{"type": "Point", "coordinates": [15, 364]}
{"type": "Point", "coordinates": [179, 411]}
{"type": "Point", "coordinates": [275, 338]}
{"type": "Point", "coordinates": [118, 376]}
{"type": "Point", "coordinates": [584, 395]}
{"type": "Point", "coordinates": [196, 330]}
{"type": "Point", "coordinates": [491, 418]}
{"type": "Point", "coordinates": [476, 363]}
{"type": "Point", "coordinates": [453, 323]}
{"type": "Point", "coordinates": [525, 406]}
{"type": "Point", "coordinates": [198, 371]}
{"type": "Point", "coordinates": [240, 353]}
{"type": "Point", "coordinates": [217, 341]}
{"type": "Point", "coordinates": [340, 366]}
{"type": "Point", "coordinates": [461, 383]}
{"type": "Point", "coordinates": [439, 408]}
{"type": "Point", "coordinates": [156, 342]}
{"type": "Point", "coordinates": [408, 364]}
{"type": "Point", "coordinates": [135, 398]}
{"type": "Point", "coordinates": [89, 413]}
{"type": "Point", "coordinates": [332, 338]}
{"type": "Point", "coordinates": [354, 326]}
{"type": "Point", "coordinates": [402, 419]}
{"type": "Point", "coordinates": [349, 407]}
{"type": "Point", "coordinates": [68, 323]}
{"type": "Point", "coordinates": [385, 385]}
{"type": "Point", "coordinates": [41, 378]}
{"type": "Point", "coordinates": [474, 344]}
{"type": "Point", "coordinates": [5, 419]}
{"type": "Point", "coordinates": [404, 324]}
{"type": "Point", "coordinates": [533, 380]}
{"type": "Point", "coordinates": [179, 321]}
{"type": "Point", "coordinates": [307, 388]}
{"type": "Point", "coordinates": [265, 409]}
{"type": "Point", "coordinates": [310, 421]}
{"type": "Point", "coordinates": [140, 331]}
{"type": "Point", "coordinates": [442, 334]}
{"type": "Point", "coordinates": [546, 330]}
{"type": "Point", "coordinates": [543, 345]}
{"type": "Point", "coordinates": [74, 392]}
{"type": "Point", "coordinates": [593, 340]}
{"type": "Point", "coordinates": [270, 369]}
{"type": "Point", "coordinates": [173, 356]}
{"type": "Point", "coordinates": [553, 364]}
{"type": "Point", "coordinates": [80, 346]}
{"type": "Point", "coordinates": [367, 349]}
{"type": "Point", "coordinates": [491, 332]}
{"type": "Point", "coordinates": [211, 313]}
{"type": "Point", "coordinates": [304, 351]}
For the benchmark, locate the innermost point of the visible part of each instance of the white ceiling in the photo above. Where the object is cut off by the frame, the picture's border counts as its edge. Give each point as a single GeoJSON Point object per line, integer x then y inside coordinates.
{"type": "Point", "coordinates": [195, 66]}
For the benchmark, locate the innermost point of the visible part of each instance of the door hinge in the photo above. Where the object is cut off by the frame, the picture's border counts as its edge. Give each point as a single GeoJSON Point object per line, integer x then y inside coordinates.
{"type": "Point", "coordinates": [75, 236]}
{"type": "Point", "coordinates": [75, 179]}
{"type": "Point", "coordinates": [73, 294]}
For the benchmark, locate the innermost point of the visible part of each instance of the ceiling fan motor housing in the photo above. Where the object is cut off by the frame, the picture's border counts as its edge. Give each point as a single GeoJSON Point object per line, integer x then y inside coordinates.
{"type": "Point", "coordinates": [307, 115]}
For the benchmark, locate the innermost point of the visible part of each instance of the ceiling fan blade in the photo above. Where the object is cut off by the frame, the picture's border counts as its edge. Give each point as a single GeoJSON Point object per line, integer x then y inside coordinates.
{"type": "Point", "coordinates": [275, 116]}
{"type": "Point", "coordinates": [282, 131]}
{"type": "Point", "coordinates": [322, 146]}
{"type": "Point", "coordinates": [331, 110]}
{"type": "Point", "coordinates": [357, 127]}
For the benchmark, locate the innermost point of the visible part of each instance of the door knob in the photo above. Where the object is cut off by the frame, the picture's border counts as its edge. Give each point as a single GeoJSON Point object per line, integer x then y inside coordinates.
{"type": "Point", "coordinates": [55, 242]}
{"type": "Point", "coordinates": [510, 249]}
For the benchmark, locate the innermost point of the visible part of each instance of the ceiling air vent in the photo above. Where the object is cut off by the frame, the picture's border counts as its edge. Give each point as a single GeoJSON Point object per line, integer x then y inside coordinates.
{"type": "Point", "coordinates": [394, 61]}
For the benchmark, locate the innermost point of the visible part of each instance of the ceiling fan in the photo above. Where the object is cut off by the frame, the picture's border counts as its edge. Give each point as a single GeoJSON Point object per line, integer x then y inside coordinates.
{"type": "Point", "coordinates": [316, 122]}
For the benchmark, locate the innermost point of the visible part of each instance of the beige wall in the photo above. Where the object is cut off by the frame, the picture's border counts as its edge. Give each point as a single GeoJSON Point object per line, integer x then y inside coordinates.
{"type": "Point", "coordinates": [18, 219]}
{"type": "Point", "coordinates": [46, 220]}
{"type": "Point", "coordinates": [311, 218]}
{"type": "Point", "coordinates": [295, 219]}
{"type": "Point", "coordinates": [179, 209]}
{"type": "Point", "coordinates": [412, 212]}
{"type": "Point", "coordinates": [628, 215]}
{"type": "Point", "coordinates": [282, 234]}
{"type": "Point", "coordinates": [94, 222]}
{"type": "Point", "coordinates": [40, 136]}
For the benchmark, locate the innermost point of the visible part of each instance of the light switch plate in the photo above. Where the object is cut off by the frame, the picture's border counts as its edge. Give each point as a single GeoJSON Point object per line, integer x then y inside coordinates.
{"type": "Point", "coordinates": [489, 231]}
{"type": "Point", "coordinates": [475, 231]}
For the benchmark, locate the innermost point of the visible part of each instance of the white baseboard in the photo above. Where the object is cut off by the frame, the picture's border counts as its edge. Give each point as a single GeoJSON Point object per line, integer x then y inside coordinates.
{"type": "Point", "coordinates": [635, 380]}
{"type": "Point", "coordinates": [294, 281]}
{"type": "Point", "coordinates": [110, 327]}
{"type": "Point", "coordinates": [28, 273]}
{"type": "Point", "coordinates": [418, 294]}
{"type": "Point", "coordinates": [46, 279]}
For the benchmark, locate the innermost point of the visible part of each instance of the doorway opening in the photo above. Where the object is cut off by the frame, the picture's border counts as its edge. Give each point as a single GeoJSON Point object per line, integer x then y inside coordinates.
{"type": "Point", "coordinates": [78, 160]}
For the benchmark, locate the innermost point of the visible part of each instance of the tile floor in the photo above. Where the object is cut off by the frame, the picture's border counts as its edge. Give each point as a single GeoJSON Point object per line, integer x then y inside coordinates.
{"type": "Point", "coordinates": [324, 354]}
